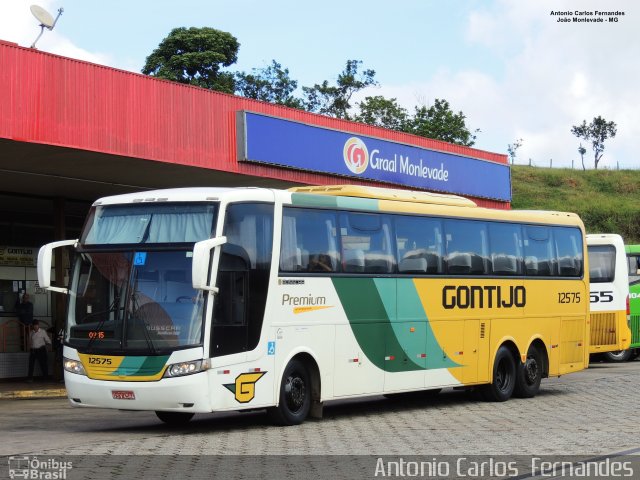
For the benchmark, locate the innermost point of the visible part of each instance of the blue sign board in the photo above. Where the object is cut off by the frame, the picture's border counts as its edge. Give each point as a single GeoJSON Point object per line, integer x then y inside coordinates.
{"type": "Point", "coordinates": [286, 143]}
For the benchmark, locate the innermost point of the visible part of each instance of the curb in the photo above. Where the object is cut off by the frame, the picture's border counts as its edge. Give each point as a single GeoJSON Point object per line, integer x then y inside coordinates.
{"type": "Point", "coordinates": [43, 393]}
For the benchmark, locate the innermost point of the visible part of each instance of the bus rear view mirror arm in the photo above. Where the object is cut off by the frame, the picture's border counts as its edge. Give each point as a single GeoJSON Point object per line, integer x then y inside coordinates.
{"type": "Point", "coordinates": [45, 255]}
{"type": "Point", "coordinates": [201, 261]}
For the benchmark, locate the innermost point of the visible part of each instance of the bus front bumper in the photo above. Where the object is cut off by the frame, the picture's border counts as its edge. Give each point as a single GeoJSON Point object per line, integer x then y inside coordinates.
{"type": "Point", "coordinates": [189, 393]}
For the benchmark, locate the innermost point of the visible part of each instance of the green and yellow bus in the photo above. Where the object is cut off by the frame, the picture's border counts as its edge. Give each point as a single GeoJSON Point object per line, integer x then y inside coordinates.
{"type": "Point", "coordinates": [609, 295]}
{"type": "Point", "coordinates": [633, 260]}
{"type": "Point", "coordinates": [223, 299]}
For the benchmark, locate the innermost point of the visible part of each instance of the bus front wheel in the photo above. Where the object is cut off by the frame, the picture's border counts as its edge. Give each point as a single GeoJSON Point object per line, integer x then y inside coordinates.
{"type": "Point", "coordinates": [174, 418]}
{"type": "Point", "coordinates": [295, 395]}
{"type": "Point", "coordinates": [504, 377]}
{"type": "Point", "coordinates": [529, 374]}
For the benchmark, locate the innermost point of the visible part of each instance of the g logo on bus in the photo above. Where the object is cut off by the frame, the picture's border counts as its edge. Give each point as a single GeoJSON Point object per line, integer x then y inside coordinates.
{"type": "Point", "coordinates": [245, 386]}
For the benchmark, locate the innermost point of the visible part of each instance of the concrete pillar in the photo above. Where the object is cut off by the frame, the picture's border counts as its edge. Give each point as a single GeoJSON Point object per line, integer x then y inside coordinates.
{"type": "Point", "coordinates": [61, 262]}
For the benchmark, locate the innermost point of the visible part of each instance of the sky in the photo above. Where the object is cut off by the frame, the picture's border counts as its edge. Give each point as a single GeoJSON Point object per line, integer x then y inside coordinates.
{"type": "Point", "coordinates": [510, 66]}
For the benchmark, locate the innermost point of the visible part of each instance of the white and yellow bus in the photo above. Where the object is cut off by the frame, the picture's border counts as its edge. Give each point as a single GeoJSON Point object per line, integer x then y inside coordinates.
{"type": "Point", "coordinates": [212, 299]}
{"type": "Point", "coordinates": [609, 295]}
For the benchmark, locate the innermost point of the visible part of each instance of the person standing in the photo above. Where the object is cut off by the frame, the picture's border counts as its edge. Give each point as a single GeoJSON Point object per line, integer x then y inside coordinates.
{"type": "Point", "coordinates": [24, 311]}
{"type": "Point", "coordinates": [39, 341]}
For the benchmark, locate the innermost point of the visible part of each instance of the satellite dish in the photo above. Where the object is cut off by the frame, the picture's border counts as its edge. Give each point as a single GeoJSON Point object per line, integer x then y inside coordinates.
{"type": "Point", "coordinates": [44, 17]}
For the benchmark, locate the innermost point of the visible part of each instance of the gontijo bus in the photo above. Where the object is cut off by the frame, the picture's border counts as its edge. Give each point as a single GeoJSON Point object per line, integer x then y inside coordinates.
{"type": "Point", "coordinates": [217, 299]}
{"type": "Point", "coordinates": [609, 295]}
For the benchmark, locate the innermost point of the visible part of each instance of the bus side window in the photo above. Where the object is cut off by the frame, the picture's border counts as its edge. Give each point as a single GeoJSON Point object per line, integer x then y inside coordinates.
{"type": "Point", "coordinates": [634, 269]}
{"type": "Point", "coordinates": [569, 251]}
{"type": "Point", "coordinates": [366, 243]}
{"type": "Point", "coordinates": [466, 247]}
{"type": "Point", "coordinates": [506, 248]}
{"type": "Point", "coordinates": [308, 241]}
{"type": "Point", "coordinates": [540, 259]}
{"type": "Point", "coordinates": [419, 244]}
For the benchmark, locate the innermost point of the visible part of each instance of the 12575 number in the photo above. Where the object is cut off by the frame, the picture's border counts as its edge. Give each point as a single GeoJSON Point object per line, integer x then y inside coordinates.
{"type": "Point", "coordinates": [568, 297]}
{"type": "Point", "coordinates": [99, 361]}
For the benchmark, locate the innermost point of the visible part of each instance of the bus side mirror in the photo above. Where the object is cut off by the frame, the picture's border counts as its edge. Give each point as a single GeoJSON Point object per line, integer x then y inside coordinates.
{"type": "Point", "coordinates": [45, 256]}
{"type": "Point", "coordinates": [201, 261]}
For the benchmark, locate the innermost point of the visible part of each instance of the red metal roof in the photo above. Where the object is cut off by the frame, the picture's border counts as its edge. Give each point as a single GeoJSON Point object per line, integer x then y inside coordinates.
{"type": "Point", "coordinates": [54, 100]}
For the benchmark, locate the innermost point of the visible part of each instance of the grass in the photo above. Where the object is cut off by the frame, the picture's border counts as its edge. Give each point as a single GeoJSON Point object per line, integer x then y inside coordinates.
{"type": "Point", "coordinates": [608, 201]}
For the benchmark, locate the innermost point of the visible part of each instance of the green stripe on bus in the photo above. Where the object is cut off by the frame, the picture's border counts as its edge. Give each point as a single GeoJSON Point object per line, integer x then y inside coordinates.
{"type": "Point", "coordinates": [141, 366]}
{"type": "Point", "coordinates": [372, 306]}
{"type": "Point", "coordinates": [309, 200]}
{"type": "Point", "coordinates": [329, 201]}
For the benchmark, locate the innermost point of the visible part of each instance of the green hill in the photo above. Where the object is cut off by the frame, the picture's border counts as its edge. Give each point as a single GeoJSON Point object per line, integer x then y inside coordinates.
{"type": "Point", "coordinates": [607, 200]}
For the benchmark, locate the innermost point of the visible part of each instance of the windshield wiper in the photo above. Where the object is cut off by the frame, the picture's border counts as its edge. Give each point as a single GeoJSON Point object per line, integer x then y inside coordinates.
{"type": "Point", "coordinates": [145, 330]}
{"type": "Point", "coordinates": [135, 309]}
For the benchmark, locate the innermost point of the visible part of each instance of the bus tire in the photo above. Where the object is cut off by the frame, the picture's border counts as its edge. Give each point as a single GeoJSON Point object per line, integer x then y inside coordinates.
{"type": "Point", "coordinates": [618, 356]}
{"type": "Point", "coordinates": [529, 374]}
{"type": "Point", "coordinates": [504, 377]}
{"type": "Point", "coordinates": [294, 397]}
{"type": "Point", "coordinates": [174, 418]}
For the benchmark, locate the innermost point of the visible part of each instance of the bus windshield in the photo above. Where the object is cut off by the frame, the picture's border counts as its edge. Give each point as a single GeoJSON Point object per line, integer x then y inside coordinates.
{"type": "Point", "coordinates": [149, 223]}
{"type": "Point", "coordinates": [131, 287]}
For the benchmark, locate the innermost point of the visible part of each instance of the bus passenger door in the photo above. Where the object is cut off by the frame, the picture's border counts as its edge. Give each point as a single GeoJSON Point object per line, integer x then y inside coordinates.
{"type": "Point", "coordinates": [229, 330]}
{"type": "Point", "coordinates": [243, 280]}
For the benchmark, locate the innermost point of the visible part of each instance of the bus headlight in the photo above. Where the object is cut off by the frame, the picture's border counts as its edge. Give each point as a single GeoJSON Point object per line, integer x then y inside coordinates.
{"type": "Point", "coordinates": [73, 366]}
{"type": "Point", "coordinates": [186, 368]}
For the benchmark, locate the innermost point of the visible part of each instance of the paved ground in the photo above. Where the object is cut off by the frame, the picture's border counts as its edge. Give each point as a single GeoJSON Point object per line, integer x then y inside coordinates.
{"type": "Point", "coordinates": [21, 388]}
{"type": "Point", "coordinates": [591, 412]}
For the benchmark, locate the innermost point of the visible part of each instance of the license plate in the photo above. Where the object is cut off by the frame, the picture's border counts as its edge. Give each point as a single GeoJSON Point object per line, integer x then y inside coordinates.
{"type": "Point", "coordinates": [123, 395]}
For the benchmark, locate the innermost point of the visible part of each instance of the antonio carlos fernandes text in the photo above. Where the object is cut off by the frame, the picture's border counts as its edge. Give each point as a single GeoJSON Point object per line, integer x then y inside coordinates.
{"type": "Point", "coordinates": [474, 468]}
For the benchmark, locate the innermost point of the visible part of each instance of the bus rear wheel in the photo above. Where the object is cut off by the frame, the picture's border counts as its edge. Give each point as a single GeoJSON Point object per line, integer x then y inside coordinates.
{"type": "Point", "coordinates": [295, 395]}
{"type": "Point", "coordinates": [174, 418]}
{"type": "Point", "coordinates": [504, 377]}
{"type": "Point", "coordinates": [619, 356]}
{"type": "Point", "coordinates": [529, 374]}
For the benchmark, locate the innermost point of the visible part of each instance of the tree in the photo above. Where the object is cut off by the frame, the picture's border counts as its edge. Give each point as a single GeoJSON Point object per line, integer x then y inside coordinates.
{"type": "Point", "coordinates": [195, 56]}
{"type": "Point", "coordinates": [271, 84]}
{"type": "Point", "coordinates": [512, 148]}
{"type": "Point", "coordinates": [440, 123]}
{"type": "Point", "coordinates": [334, 101]}
{"type": "Point", "coordinates": [582, 151]}
{"type": "Point", "coordinates": [596, 132]}
{"type": "Point", "coordinates": [382, 112]}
